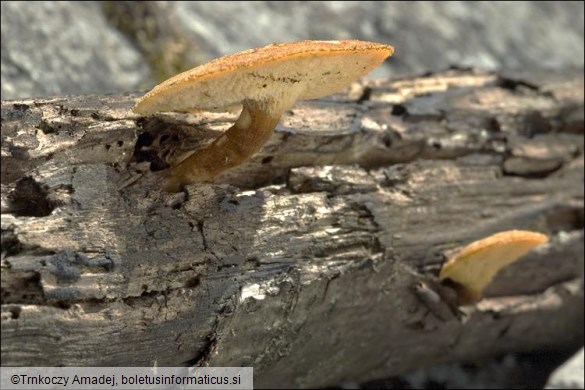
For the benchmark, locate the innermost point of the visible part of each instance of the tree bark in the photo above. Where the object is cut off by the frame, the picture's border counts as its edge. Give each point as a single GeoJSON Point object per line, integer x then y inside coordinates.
{"type": "Point", "coordinates": [301, 262]}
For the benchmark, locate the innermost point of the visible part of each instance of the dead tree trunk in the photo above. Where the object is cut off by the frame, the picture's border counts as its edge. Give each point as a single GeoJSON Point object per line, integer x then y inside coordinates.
{"type": "Point", "coordinates": [300, 263]}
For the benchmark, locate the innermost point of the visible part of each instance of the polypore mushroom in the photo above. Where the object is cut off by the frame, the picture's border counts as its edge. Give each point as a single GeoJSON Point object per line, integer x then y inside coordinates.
{"type": "Point", "coordinates": [266, 81]}
{"type": "Point", "coordinates": [473, 268]}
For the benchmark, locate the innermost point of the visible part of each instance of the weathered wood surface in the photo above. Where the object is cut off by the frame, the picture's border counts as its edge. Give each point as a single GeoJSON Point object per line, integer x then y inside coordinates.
{"type": "Point", "coordinates": [302, 262]}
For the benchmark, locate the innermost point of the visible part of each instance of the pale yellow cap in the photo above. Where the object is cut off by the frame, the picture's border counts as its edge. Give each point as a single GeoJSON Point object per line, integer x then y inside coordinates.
{"type": "Point", "coordinates": [475, 266]}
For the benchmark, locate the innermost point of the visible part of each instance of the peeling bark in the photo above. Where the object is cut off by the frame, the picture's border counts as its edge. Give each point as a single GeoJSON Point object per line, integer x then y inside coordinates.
{"type": "Point", "coordinates": [303, 262]}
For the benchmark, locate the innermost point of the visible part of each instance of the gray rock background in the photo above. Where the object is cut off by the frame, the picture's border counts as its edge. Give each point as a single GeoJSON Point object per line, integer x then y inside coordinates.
{"type": "Point", "coordinates": [55, 48]}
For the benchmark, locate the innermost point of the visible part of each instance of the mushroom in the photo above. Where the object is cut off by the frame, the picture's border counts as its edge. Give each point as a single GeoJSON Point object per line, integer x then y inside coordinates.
{"type": "Point", "coordinates": [473, 268]}
{"type": "Point", "coordinates": [266, 81]}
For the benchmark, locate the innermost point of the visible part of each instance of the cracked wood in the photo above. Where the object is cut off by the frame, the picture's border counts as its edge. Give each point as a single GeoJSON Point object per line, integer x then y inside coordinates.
{"type": "Point", "coordinates": [301, 262]}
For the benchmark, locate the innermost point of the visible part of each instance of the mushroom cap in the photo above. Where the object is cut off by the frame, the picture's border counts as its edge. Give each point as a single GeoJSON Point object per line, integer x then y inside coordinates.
{"type": "Point", "coordinates": [283, 72]}
{"type": "Point", "coordinates": [474, 267]}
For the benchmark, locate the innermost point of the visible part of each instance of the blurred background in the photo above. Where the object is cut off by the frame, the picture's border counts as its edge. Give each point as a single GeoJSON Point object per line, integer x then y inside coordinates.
{"type": "Point", "coordinates": [57, 48]}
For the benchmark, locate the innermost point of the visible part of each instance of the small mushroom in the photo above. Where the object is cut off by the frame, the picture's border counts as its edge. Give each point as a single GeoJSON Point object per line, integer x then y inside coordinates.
{"type": "Point", "coordinates": [473, 268]}
{"type": "Point", "coordinates": [266, 81]}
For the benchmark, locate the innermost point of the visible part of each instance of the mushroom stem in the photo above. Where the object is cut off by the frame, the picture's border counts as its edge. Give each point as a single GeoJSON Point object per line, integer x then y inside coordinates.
{"type": "Point", "coordinates": [252, 129]}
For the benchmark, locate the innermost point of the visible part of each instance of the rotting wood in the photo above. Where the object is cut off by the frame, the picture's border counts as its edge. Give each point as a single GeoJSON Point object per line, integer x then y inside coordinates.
{"type": "Point", "coordinates": [302, 262]}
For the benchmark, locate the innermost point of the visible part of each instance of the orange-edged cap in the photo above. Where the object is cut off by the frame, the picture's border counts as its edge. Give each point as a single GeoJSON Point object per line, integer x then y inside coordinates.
{"type": "Point", "coordinates": [282, 72]}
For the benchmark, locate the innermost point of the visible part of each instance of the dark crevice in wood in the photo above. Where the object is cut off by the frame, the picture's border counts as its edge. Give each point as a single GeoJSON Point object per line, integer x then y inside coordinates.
{"type": "Point", "coordinates": [515, 84]}
{"type": "Point", "coordinates": [30, 199]}
{"type": "Point", "coordinates": [365, 96]}
{"type": "Point", "coordinates": [23, 288]}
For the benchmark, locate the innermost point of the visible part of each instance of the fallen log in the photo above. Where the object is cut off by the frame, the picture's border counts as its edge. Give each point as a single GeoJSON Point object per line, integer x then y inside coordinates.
{"type": "Point", "coordinates": [301, 262]}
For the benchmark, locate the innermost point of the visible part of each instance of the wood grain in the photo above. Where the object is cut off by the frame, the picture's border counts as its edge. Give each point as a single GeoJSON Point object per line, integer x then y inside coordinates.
{"type": "Point", "coordinates": [301, 262]}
